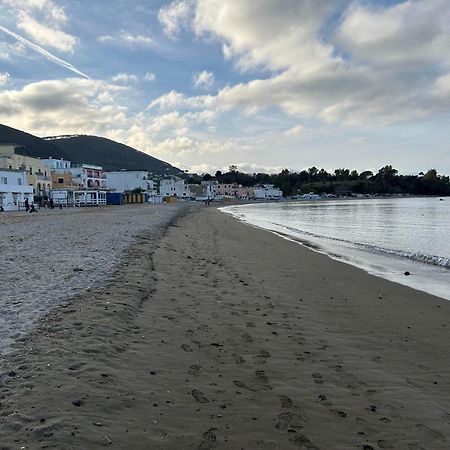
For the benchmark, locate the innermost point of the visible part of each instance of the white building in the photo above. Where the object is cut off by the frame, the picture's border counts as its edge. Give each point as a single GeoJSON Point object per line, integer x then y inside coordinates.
{"type": "Point", "coordinates": [128, 180]}
{"type": "Point", "coordinates": [174, 187]}
{"type": "Point", "coordinates": [209, 188]}
{"type": "Point", "coordinates": [56, 164]}
{"type": "Point", "coordinates": [14, 189]}
{"type": "Point", "coordinates": [87, 176]}
{"type": "Point", "coordinates": [267, 191]}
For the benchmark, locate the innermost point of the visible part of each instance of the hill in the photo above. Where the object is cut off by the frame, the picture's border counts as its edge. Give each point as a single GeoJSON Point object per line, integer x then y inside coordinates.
{"type": "Point", "coordinates": [33, 146]}
{"type": "Point", "coordinates": [81, 149]}
{"type": "Point", "coordinates": [111, 155]}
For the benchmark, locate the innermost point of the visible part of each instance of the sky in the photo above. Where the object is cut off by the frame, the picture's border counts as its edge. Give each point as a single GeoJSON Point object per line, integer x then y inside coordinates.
{"type": "Point", "coordinates": [264, 85]}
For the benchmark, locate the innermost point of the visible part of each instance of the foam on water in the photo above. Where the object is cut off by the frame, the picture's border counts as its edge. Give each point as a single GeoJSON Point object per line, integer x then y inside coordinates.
{"type": "Point", "coordinates": [386, 237]}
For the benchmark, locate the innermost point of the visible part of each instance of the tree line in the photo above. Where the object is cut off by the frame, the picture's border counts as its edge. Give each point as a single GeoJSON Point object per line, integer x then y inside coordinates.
{"type": "Point", "coordinates": [340, 182]}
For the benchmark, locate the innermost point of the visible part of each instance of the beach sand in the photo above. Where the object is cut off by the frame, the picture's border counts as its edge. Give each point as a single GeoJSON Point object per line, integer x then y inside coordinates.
{"type": "Point", "coordinates": [217, 335]}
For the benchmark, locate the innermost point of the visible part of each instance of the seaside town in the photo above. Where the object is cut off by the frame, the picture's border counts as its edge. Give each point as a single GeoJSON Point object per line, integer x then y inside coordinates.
{"type": "Point", "coordinates": [27, 183]}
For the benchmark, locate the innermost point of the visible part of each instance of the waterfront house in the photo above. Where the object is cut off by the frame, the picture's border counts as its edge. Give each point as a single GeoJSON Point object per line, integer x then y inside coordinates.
{"type": "Point", "coordinates": [267, 191]}
{"type": "Point", "coordinates": [38, 175]}
{"type": "Point", "coordinates": [14, 189]}
{"type": "Point", "coordinates": [130, 180]}
{"type": "Point", "coordinates": [174, 187]}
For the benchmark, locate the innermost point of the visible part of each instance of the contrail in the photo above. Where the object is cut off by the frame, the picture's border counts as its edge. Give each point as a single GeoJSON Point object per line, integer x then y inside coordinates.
{"type": "Point", "coordinates": [43, 52]}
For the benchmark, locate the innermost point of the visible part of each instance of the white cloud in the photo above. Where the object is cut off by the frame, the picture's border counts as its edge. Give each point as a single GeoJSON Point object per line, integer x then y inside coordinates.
{"type": "Point", "coordinates": [150, 76]}
{"type": "Point", "coordinates": [46, 54]}
{"type": "Point", "coordinates": [4, 77]}
{"type": "Point", "coordinates": [126, 39]}
{"type": "Point", "coordinates": [397, 53]}
{"type": "Point", "coordinates": [42, 21]}
{"type": "Point", "coordinates": [124, 78]}
{"type": "Point", "coordinates": [46, 36]}
{"type": "Point", "coordinates": [174, 17]}
{"type": "Point", "coordinates": [203, 79]}
{"type": "Point", "coordinates": [295, 131]}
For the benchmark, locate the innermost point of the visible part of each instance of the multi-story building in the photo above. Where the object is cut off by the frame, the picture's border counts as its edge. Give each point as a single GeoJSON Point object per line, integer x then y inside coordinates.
{"type": "Point", "coordinates": [88, 176]}
{"type": "Point", "coordinates": [209, 188]}
{"type": "Point", "coordinates": [14, 189]}
{"type": "Point", "coordinates": [129, 180]}
{"type": "Point", "coordinates": [38, 175]}
{"type": "Point", "coordinates": [234, 190]}
{"type": "Point", "coordinates": [56, 164]}
{"type": "Point", "coordinates": [267, 191]}
{"type": "Point", "coordinates": [174, 187]}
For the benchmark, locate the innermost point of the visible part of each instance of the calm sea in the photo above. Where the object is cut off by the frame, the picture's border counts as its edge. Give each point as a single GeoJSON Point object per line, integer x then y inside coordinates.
{"type": "Point", "coordinates": [385, 237]}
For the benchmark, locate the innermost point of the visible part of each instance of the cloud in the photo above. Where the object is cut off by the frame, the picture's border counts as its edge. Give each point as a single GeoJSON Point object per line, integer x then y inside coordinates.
{"type": "Point", "coordinates": [126, 39]}
{"type": "Point", "coordinates": [380, 66]}
{"type": "Point", "coordinates": [124, 78]}
{"type": "Point", "coordinates": [45, 53]}
{"type": "Point", "coordinates": [295, 131]}
{"type": "Point", "coordinates": [72, 105]}
{"type": "Point", "coordinates": [203, 79]}
{"type": "Point", "coordinates": [45, 35]}
{"type": "Point", "coordinates": [174, 17]}
{"type": "Point", "coordinates": [42, 21]}
{"type": "Point", "coordinates": [150, 76]}
{"type": "Point", "coordinates": [4, 77]}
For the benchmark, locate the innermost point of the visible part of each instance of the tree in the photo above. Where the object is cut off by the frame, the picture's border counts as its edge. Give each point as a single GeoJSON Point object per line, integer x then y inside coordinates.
{"type": "Point", "coordinates": [233, 168]}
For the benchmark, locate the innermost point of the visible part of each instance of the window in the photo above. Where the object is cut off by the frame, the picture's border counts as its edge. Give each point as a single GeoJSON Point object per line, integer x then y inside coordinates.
{"type": "Point", "coordinates": [31, 170]}
{"type": "Point", "coordinates": [4, 180]}
{"type": "Point", "coordinates": [19, 181]}
{"type": "Point", "coordinates": [60, 180]}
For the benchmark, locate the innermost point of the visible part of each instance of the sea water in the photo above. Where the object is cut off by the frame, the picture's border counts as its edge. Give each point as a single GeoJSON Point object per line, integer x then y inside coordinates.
{"type": "Point", "coordinates": [386, 237]}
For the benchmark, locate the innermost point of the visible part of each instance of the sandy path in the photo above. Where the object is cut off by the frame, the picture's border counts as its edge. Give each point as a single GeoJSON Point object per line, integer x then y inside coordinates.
{"type": "Point", "coordinates": [218, 335]}
{"type": "Point", "coordinates": [49, 257]}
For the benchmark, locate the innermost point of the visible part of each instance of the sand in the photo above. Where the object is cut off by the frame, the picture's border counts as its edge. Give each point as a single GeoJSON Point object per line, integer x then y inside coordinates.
{"type": "Point", "coordinates": [217, 335]}
{"type": "Point", "coordinates": [50, 256]}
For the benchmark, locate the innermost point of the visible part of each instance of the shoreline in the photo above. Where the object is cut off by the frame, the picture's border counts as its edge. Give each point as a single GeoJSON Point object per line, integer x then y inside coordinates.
{"type": "Point", "coordinates": [387, 263]}
{"type": "Point", "coordinates": [215, 334]}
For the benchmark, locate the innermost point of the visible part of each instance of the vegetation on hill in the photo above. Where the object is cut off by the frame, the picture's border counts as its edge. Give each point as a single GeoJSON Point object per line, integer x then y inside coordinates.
{"type": "Point", "coordinates": [341, 181]}
{"type": "Point", "coordinates": [110, 155]}
{"type": "Point", "coordinates": [33, 146]}
{"type": "Point", "coordinates": [80, 149]}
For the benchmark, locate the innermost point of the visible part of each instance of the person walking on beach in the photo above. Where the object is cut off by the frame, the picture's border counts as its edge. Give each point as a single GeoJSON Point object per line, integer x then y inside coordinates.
{"type": "Point", "coordinates": [27, 205]}
{"type": "Point", "coordinates": [33, 208]}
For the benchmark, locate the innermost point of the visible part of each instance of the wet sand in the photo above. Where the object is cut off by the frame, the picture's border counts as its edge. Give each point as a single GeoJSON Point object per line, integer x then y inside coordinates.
{"type": "Point", "coordinates": [217, 335]}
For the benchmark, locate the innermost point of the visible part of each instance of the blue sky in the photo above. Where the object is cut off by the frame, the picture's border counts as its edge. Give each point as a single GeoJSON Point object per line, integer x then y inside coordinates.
{"type": "Point", "coordinates": [263, 85]}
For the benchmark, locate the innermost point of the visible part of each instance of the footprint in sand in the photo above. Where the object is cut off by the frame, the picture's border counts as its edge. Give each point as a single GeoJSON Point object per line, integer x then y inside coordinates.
{"type": "Point", "coordinates": [186, 347]}
{"type": "Point", "coordinates": [194, 370]}
{"type": "Point", "coordinates": [286, 402]}
{"type": "Point", "coordinates": [238, 359]}
{"type": "Point", "coordinates": [287, 420]}
{"type": "Point", "coordinates": [317, 378]}
{"type": "Point", "coordinates": [208, 439]}
{"type": "Point", "coordinates": [261, 357]}
{"type": "Point", "coordinates": [199, 396]}
{"type": "Point", "coordinates": [303, 442]}
{"type": "Point", "coordinates": [247, 337]}
{"type": "Point", "coordinates": [242, 385]}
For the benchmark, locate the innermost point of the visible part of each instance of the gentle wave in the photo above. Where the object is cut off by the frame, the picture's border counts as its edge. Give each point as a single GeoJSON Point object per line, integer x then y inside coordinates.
{"type": "Point", "coordinates": [440, 261]}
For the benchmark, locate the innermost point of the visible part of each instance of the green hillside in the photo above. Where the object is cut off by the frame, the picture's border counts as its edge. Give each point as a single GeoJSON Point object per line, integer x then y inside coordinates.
{"type": "Point", "coordinates": [81, 149]}
{"type": "Point", "coordinates": [33, 146]}
{"type": "Point", "coordinates": [109, 154]}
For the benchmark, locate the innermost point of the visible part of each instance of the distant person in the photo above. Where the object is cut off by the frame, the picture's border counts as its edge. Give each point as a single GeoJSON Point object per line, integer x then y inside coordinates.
{"type": "Point", "coordinates": [2, 209]}
{"type": "Point", "coordinates": [33, 208]}
{"type": "Point", "coordinates": [27, 205]}
{"type": "Point", "coordinates": [60, 206]}
{"type": "Point", "coordinates": [51, 204]}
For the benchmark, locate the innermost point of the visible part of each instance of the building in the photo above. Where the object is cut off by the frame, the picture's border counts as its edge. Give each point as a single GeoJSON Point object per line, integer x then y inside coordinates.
{"type": "Point", "coordinates": [174, 187]}
{"type": "Point", "coordinates": [38, 175]}
{"type": "Point", "coordinates": [14, 189]}
{"type": "Point", "coordinates": [56, 164]}
{"type": "Point", "coordinates": [234, 190]}
{"type": "Point", "coordinates": [130, 180]}
{"type": "Point", "coordinates": [209, 188]}
{"type": "Point", "coordinates": [267, 191]}
{"type": "Point", "coordinates": [87, 176]}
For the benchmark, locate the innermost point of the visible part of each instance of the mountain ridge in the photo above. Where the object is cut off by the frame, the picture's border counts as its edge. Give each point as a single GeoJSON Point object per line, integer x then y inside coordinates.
{"type": "Point", "coordinates": [86, 149]}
